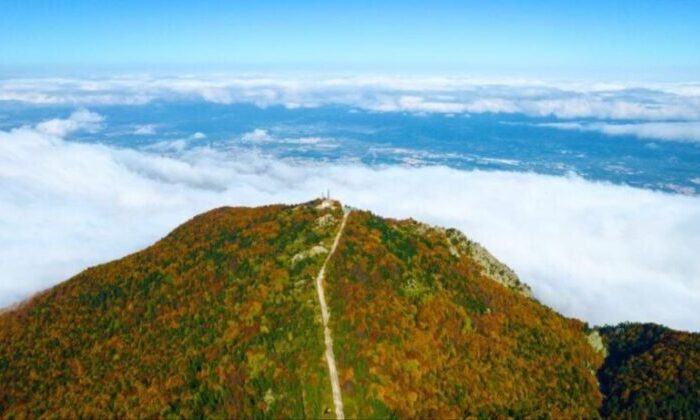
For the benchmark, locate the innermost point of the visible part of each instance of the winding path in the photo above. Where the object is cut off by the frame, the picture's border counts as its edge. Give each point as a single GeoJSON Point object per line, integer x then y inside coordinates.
{"type": "Point", "coordinates": [330, 357]}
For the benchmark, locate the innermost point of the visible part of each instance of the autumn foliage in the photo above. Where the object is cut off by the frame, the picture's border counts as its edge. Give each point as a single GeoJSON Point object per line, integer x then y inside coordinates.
{"type": "Point", "coordinates": [213, 320]}
{"type": "Point", "coordinates": [221, 319]}
{"type": "Point", "coordinates": [422, 333]}
{"type": "Point", "coordinates": [651, 372]}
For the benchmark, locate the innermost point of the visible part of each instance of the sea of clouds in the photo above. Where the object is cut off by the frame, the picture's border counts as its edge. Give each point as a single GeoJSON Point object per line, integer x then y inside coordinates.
{"type": "Point", "coordinates": [601, 252]}
{"type": "Point", "coordinates": [663, 111]}
{"type": "Point", "coordinates": [642, 101]}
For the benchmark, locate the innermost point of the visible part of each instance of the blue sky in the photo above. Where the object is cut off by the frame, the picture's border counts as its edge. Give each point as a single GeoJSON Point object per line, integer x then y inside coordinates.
{"type": "Point", "coordinates": [631, 39]}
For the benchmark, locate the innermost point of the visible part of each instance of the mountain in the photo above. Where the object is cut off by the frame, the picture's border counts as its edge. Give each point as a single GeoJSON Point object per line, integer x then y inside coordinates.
{"type": "Point", "coordinates": [320, 311]}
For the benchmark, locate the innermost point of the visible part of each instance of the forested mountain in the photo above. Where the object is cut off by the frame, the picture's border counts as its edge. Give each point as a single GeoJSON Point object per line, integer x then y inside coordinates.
{"type": "Point", "coordinates": [224, 318]}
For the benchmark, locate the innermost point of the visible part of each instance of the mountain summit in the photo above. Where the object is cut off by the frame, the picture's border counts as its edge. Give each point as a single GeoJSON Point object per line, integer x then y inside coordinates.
{"type": "Point", "coordinates": [317, 311]}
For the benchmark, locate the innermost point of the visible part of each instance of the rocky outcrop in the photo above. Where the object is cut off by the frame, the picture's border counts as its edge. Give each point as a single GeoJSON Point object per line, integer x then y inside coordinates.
{"type": "Point", "coordinates": [492, 267]}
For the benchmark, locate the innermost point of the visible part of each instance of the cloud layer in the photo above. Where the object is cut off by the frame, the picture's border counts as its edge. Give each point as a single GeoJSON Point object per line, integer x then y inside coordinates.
{"type": "Point", "coordinates": [617, 101]}
{"type": "Point", "coordinates": [81, 119]}
{"type": "Point", "coordinates": [681, 131]}
{"type": "Point", "coordinates": [601, 252]}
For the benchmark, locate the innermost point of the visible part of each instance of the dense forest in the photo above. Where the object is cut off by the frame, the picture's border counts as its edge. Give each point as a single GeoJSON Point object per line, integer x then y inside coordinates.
{"type": "Point", "coordinates": [221, 319]}
{"type": "Point", "coordinates": [651, 371]}
{"type": "Point", "coordinates": [214, 319]}
{"type": "Point", "coordinates": [425, 334]}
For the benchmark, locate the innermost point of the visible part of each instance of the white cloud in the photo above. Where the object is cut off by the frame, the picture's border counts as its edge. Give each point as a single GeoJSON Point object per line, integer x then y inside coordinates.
{"type": "Point", "coordinates": [598, 251]}
{"type": "Point", "coordinates": [677, 130]}
{"type": "Point", "coordinates": [168, 146]}
{"type": "Point", "coordinates": [418, 104]}
{"type": "Point", "coordinates": [447, 95]}
{"type": "Point", "coordinates": [81, 119]}
{"type": "Point", "coordinates": [493, 105]}
{"type": "Point", "coordinates": [257, 135]}
{"type": "Point", "coordinates": [570, 106]}
{"type": "Point", "coordinates": [145, 130]}
{"type": "Point", "coordinates": [310, 140]}
{"type": "Point", "coordinates": [661, 130]}
{"type": "Point", "coordinates": [199, 136]}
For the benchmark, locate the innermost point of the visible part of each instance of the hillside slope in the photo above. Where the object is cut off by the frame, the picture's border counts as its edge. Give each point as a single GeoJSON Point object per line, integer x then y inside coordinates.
{"type": "Point", "coordinates": [218, 317]}
{"type": "Point", "coordinates": [425, 332]}
{"type": "Point", "coordinates": [650, 370]}
{"type": "Point", "coordinates": [222, 318]}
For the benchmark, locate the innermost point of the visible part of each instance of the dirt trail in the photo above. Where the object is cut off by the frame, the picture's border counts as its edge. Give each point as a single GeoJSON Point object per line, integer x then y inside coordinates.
{"type": "Point", "coordinates": [330, 357]}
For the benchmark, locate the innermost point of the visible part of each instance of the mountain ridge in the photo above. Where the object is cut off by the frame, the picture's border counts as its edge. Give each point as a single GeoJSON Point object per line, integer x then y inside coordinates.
{"type": "Point", "coordinates": [222, 317]}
